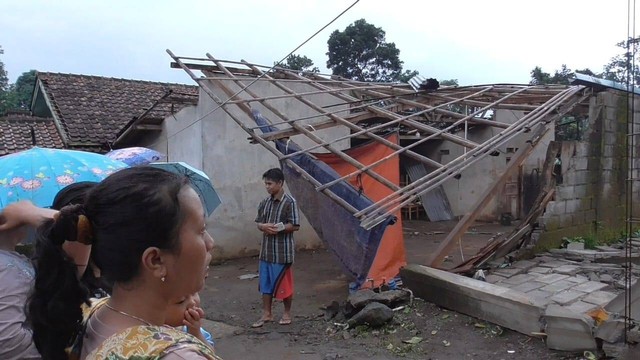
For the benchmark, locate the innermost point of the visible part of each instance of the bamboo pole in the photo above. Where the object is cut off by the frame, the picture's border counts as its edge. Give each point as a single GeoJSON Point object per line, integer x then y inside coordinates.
{"type": "Point", "coordinates": [426, 184]}
{"type": "Point", "coordinates": [344, 122]}
{"type": "Point", "coordinates": [264, 143]}
{"type": "Point", "coordinates": [314, 137]}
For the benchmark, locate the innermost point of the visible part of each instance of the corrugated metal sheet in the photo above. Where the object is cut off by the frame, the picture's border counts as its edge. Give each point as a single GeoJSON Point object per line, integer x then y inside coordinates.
{"type": "Point", "coordinates": [435, 202]}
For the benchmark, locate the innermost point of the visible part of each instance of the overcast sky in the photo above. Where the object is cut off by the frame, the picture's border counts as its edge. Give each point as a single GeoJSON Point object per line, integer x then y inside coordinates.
{"type": "Point", "coordinates": [474, 41]}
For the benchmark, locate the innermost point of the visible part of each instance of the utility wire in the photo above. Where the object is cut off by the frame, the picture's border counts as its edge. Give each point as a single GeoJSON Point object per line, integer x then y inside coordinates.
{"type": "Point", "coordinates": [259, 77]}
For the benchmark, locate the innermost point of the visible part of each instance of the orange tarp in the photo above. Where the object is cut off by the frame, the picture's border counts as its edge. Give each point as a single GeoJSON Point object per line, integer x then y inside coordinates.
{"type": "Point", "coordinates": [390, 256]}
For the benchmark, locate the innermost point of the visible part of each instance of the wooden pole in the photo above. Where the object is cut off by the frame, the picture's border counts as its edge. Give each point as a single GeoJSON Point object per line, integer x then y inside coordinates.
{"type": "Point", "coordinates": [449, 242]}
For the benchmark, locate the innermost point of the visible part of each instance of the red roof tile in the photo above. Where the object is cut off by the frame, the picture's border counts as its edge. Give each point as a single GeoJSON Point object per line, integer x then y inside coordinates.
{"type": "Point", "coordinates": [15, 133]}
{"type": "Point", "coordinates": [93, 110]}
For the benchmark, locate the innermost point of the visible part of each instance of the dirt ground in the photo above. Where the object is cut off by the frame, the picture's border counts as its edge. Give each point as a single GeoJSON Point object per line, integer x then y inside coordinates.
{"type": "Point", "coordinates": [235, 303]}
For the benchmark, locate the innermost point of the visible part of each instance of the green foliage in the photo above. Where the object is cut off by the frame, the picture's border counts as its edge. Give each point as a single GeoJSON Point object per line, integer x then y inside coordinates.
{"type": "Point", "coordinates": [407, 75]}
{"type": "Point", "coordinates": [23, 89]}
{"type": "Point", "coordinates": [360, 52]}
{"type": "Point", "coordinates": [617, 69]}
{"type": "Point", "coordinates": [562, 76]}
{"type": "Point", "coordinates": [4, 79]}
{"type": "Point", "coordinates": [299, 63]}
{"type": "Point", "coordinates": [450, 82]}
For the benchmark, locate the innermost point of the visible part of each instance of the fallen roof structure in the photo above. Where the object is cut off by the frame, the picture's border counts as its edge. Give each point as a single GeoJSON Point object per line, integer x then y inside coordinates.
{"type": "Point", "coordinates": [375, 109]}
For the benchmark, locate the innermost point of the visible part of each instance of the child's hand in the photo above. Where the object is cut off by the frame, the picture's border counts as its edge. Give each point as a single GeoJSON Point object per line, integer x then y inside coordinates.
{"type": "Point", "coordinates": [192, 319]}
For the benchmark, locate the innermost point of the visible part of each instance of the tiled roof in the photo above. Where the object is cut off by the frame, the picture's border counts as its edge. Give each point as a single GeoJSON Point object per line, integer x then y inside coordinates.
{"type": "Point", "coordinates": [15, 133]}
{"type": "Point", "coordinates": [93, 109]}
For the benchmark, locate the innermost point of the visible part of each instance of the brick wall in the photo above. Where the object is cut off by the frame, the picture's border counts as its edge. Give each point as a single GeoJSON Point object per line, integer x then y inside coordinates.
{"type": "Point", "coordinates": [591, 200]}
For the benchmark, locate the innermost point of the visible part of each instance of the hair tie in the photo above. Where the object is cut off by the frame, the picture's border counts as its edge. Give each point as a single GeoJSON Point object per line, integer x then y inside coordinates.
{"type": "Point", "coordinates": [85, 230]}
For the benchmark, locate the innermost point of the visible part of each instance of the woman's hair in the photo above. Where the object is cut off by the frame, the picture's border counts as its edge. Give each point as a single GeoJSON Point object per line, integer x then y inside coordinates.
{"type": "Point", "coordinates": [130, 211]}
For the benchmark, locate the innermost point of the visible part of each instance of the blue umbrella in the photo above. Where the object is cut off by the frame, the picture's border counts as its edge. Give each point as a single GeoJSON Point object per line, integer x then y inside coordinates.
{"type": "Point", "coordinates": [38, 174]}
{"type": "Point", "coordinates": [135, 156]}
{"type": "Point", "coordinates": [199, 180]}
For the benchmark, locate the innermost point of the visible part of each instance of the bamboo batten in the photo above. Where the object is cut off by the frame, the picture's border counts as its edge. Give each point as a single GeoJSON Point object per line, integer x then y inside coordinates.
{"type": "Point", "coordinates": [395, 105]}
{"type": "Point", "coordinates": [316, 139]}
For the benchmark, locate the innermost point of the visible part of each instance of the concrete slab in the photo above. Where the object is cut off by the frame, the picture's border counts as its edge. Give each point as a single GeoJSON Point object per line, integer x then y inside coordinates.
{"type": "Point", "coordinates": [599, 298]}
{"type": "Point", "coordinates": [519, 279]}
{"type": "Point", "coordinates": [554, 263]}
{"type": "Point", "coordinates": [551, 278]}
{"type": "Point", "coordinates": [528, 286]}
{"type": "Point", "coordinates": [589, 286]}
{"type": "Point", "coordinates": [507, 272]}
{"type": "Point", "coordinates": [568, 331]}
{"type": "Point", "coordinates": [492, 279]}
{"type": "Point", "coordinates": [567, 296]}
{"type": "Point", "coordinates": [541, 297]}
{"type": "Point", "coordinates": [558, 286]}
{"type": "Point", "coordinates": [611, 331]}
{"type": "Point", "coordinates": [617, 304]}
{"type": "Point", "coordinates": [566, 269]}
{"type": "Point", "coordinates": [499, 305]}
{"type": "Point", "coordinates": [580, 307]}
{"type": "Point", "coordinates": [540, 270]}
{"type": "Point", "coordinates": [578, 279]}
{"type": "Point", "coordinates": [524, 264]}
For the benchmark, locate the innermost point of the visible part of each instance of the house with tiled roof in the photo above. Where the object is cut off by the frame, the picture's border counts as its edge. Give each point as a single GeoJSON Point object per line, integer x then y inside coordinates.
{"type": "Point", "coordinates": [19, 130]}
{"type": "Point", "coordinates": [91, 112]}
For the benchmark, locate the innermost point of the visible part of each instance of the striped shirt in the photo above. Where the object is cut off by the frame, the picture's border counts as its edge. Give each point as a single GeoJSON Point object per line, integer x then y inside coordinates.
{"type": "Point", "coordinates": [279, 248]}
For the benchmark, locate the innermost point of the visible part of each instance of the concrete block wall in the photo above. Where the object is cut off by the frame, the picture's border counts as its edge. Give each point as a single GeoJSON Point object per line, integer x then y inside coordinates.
{"type": "Point", "coordinates": [590, 202]}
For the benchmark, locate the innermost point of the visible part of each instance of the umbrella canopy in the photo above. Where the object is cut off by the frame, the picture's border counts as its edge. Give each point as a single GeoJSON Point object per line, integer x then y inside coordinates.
{"type": "Point", "coordinates": [199, 180]}
{"type": "Point", "coordinates": [135, 156]}
{"type": "Point", "coordinates": [38, 174]}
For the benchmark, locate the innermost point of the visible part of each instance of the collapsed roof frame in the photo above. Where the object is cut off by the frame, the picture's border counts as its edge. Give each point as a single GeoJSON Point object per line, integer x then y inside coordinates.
{"type": "Point", "coordinates": [543, 104]}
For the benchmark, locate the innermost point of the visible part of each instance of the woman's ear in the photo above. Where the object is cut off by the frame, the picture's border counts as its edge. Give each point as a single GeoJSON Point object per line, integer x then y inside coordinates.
{"type": "Point", "coordinates": [153, 261]}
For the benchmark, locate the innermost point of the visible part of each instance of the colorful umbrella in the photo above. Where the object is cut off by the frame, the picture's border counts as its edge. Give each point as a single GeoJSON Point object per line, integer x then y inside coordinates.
{"type": "Point", "coordinates": [135, 156]}
{"type": "Point", "coordinates": [199, 180]}
{"type": "Point", "coordinates": [38, 174]}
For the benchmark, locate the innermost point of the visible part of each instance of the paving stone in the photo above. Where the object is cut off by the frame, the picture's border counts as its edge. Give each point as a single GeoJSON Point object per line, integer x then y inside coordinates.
{"type": "Point", "coordinates": [551, 278]}
{"type": "Point", "coordinates": [593, 276]}
{"type": "Point", "coordinates": [528, 286]}
{"type": "Point", "coordinates": [589, 286]}
{"type": "Point", "coordinates": [566, 269]}
{"type": "Point", "coordinates": [566, 297]}
{"type": "Point", "coordinates": [580, 307]}
{"type": "Point", "coordinates": [554, 263]}
{"type": "Point", "coordinates": [518, 279]}
{"type": "Point", "coordinates": [600, 298]}
{"type": "Point", "coordinates": [558, 286]}
{"type": "Point", "coordinates": [540, 270]}
{"type": "Point", "coordinates": [541, 297]}
{"type": "Point", "coordinates": [508, 272]}
{"type": "Point", "coordinates": [492, 279]}
{"type": "Point", "coordinates": [606, 278]}
{"type": "Point", "coordinates": [578, 279]}
{"type": "Point", "coordinates": [568, 331]}
{"type": "Point", "coordinates": [524, 264]}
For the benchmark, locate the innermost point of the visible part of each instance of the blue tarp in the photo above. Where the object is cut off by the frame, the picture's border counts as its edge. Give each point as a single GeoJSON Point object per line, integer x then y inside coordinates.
{"type": "Point", "coordinates": [341, 232]}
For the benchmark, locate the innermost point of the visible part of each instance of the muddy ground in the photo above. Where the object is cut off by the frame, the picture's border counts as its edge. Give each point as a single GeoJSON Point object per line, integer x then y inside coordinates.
{"type": "Point", "coordinates": [234, 304]}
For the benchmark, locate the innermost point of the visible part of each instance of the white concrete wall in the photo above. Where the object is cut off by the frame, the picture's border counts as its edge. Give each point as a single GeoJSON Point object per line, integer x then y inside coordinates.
{"type": "Point", "coordinates": [464, 193]}
{"type": "Point", "coordinates": [220, 147]}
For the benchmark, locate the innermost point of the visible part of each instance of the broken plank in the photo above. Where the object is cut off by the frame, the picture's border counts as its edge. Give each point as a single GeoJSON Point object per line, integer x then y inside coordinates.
{"type": "Point", "coordinates": [500, 305]}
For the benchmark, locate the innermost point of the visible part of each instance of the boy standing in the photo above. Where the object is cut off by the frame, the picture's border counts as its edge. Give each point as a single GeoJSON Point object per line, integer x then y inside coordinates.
{"type": "Point", "coordinates": [277, 220]}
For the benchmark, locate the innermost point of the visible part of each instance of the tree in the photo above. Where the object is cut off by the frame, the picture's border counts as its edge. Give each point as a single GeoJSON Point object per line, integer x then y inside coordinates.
{"type": "Point", "coordinates": [617, 69]}
{"type": "Point", "coordinates": [539, 77]}
{"type": "Point", "coordinates": [23, 90]}
{"type": "Point", "coordinates": [5, 94]}
{"type": "Point", "coordinates": [450, 82]}
{"type": "Point", "coordinates": [407, 75]}
{"type": "Point", "coordinates": [299, 63]}
{"type": "Point", "coordinates": [360, 52]}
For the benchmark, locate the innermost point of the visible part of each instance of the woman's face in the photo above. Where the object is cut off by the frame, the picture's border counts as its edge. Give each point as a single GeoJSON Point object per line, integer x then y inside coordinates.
{"type": "Point", "coordinates": [186, 274]}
